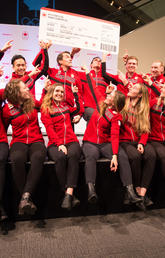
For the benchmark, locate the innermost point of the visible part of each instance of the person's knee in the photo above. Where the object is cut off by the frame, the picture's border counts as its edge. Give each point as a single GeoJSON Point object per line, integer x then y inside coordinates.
{"type": "Point", "coordinates": [39, 156]}
{"type": "Point", "coordinates": [17, 156]}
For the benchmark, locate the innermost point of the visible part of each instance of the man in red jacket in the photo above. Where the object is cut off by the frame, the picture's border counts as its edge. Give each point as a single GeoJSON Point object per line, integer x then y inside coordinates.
{"type": "Point", "coordinates": [68, 77]}
{"type": "Point", "coordinates": [19, 66]}
{"type": "Point", "coordinates": [152, 81]}
{"type": "Point", "coordinates": [93, 86]}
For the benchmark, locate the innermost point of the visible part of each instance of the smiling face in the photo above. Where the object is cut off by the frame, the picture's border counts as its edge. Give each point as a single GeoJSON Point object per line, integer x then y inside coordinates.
{"type": "Point", "coordinates": [156, 69]}
{"type": "Point", "coordinates": [24, 91]}
{"type": "Point", "coordinates": [66, 60]}
{"type": "Point", "coordinates": [19, 66]}
{"type": "Point", "coordinates": [131, 65]}
{"type": "Point", "coordinates": [96, 63]}
{"type": "Point", "coordinates": [135, 91]}
{"type": "Point", "coordinates": [58, 94]}
{"type": "Point", "coordinates": [110, 99]}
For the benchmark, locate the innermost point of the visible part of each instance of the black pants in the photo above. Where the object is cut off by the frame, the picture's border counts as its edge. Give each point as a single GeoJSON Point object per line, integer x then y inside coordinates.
{"type": "Point", "coordinates": [93, 152]}
{"type": "Point", "coordinates": [142, 165]}
{"type": "Point", "coordinates": [67, 166]}
{"type": "Point", "coordinates": [4, 151]}
{"type": "Point", "coordinates": [159, 147]}
{"type": "Point", "coordinates": [20, 153]}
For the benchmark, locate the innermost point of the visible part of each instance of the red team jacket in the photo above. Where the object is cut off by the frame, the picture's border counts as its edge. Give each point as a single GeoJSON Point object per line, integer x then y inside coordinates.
{"type": "Point", "coordinates": [25, 127]}
{"type": "Point", "coordinates": [30, 81]}
{"type": "Point", "coordinates": [102, 129]}
{"type": "Point", "coordinates": [157, 119]}
{"type": "Point", "coordinates": [68, 79]}
{"type": "Point", "coordinates": [127, 132]}
{"type": "Point", "coordinates": [58, 124]}
{"type": "Point", "coordinates": [114, 79]}
{"type": "Point", "coordinates": [91, 92]}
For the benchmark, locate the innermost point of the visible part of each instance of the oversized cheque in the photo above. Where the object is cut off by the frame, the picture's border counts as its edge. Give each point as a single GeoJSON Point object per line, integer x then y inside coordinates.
{"type": "Point", "coordinates": [74, 30]}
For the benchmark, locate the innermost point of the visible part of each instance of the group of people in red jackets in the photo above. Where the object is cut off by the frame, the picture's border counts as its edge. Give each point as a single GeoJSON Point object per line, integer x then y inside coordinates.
{"type": "Point", "coordinates": [125, 116]}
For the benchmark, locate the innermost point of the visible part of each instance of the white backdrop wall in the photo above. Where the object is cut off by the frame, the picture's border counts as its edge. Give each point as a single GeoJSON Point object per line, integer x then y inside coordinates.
{"type": "Point", "coordinates": [147, 43]}
{"type": "Point", "coordinates": [25, 42]}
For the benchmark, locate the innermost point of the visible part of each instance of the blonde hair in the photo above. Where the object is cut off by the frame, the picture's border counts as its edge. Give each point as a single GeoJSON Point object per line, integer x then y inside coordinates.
{"type": "Point", "coordinates": [142, 109]}
{"type": "Point", "coordinates": [47, 100]}
{"type": "Point", "coordinates": [119, 102]}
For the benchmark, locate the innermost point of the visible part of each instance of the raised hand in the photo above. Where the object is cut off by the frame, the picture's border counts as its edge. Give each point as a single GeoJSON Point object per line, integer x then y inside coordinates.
{"type": "Point", "coordinates": [35, 71]}
{"type": "Point", "coordinates": [104, 57]}
{"type": "Point", "coordinates": [47, 83]}
{"type": "Point", "coordinates": [1, 70]}
{"type": "Point", "coordinates": [109, 88]}
{"type": "Point", "coordinates": [74, 88]}
{"type": "Point", "coordinates": [7, 45]}
{"type": "Point", "coordinates": [125, 56]}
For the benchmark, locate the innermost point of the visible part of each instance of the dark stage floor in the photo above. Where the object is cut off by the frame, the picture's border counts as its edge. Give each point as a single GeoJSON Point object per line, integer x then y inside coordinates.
{"type": "Point", "coordinates": [126, 235]}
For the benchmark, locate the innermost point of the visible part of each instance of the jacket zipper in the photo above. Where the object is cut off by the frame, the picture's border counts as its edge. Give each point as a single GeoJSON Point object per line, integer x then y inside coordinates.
{"type": "Point", "coordinates": [161, 125]}
{"type": "Point", "coordinates": [132, 135]}
{"type": "Point", "coordinates": [64, 126]}
{"type": "Point", "coordinates": [64, 86]}
{"type": "Point", "coordinates": [98, 130]}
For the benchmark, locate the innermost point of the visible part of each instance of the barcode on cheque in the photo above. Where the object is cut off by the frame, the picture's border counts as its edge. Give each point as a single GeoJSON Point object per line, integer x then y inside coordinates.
{"type": "Point", "coordinates": [107, 47]}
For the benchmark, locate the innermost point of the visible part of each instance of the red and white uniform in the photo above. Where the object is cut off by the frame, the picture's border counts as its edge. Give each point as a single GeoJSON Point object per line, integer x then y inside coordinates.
{"type": "Point", "coordinates": [136, 78]}
{"type": "Point", "coordinates": [25, 127]}
{"type": "Point", "coordinates": [114, 79]}
{"type": "Point", "coordinates": [127, 132]}
{"type": "Point", "coordinates": [58, 124]}
{"type": "Point", "coordinates": [68, 78]}
{"type": "Point", "coordinates": [154, 89]}
{"type": "Point", "coordinates": [102, 129]}
{"type": "Point", "coordinates": [94, 89]}
{"type": "Point", "coordinates": [92, 93]}
{"type": "Point", "coordinates": [30, 81]}
{"type": "Point", "coordinates": [157, 118]}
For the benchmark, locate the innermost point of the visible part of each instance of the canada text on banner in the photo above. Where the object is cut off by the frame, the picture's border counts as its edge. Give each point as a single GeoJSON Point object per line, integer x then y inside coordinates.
{"type": "Point", "coordinates": [74, 30]}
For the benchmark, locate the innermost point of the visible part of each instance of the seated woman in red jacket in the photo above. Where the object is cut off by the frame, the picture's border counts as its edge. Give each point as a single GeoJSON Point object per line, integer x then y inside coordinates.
{"type": "Point", "coordinates": [134, 135]}
{"type": "Point", "coordinates": [157, 135]}
{"type": "Point", "coordinates": [63, 146]}
{"type": "Point", "coordinates": [27, 142]}
{"type": "Point", "coordinates": [101, 138]}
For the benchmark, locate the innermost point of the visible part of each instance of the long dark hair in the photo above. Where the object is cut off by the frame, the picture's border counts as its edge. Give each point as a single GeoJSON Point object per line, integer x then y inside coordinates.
{"type": "Point", "coordinates": [119, 102]}
{"type": "Point", "coordinates": [13, 95]}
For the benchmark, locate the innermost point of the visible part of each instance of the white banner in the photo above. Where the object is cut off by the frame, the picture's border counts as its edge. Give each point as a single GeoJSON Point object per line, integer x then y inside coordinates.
{"type": "Point", "coordinates": [26, 43]}
{"type": "Point", "coordinates": [74, 30]}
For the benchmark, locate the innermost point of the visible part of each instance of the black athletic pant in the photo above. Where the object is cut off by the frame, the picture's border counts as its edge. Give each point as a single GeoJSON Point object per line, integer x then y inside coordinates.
{"type": "Point", "coordinates": [93, 152]}
{"type": "Point", "coordinates": [4, 151]}
{"type": "Point", "coordinates": [142, 165]}
{"type": "Point", "coordinates": [159, 147]}
{"type": "Point", "coordinates": [20, 153]}
{"type": "Point", "coordinates": [66, 166]}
